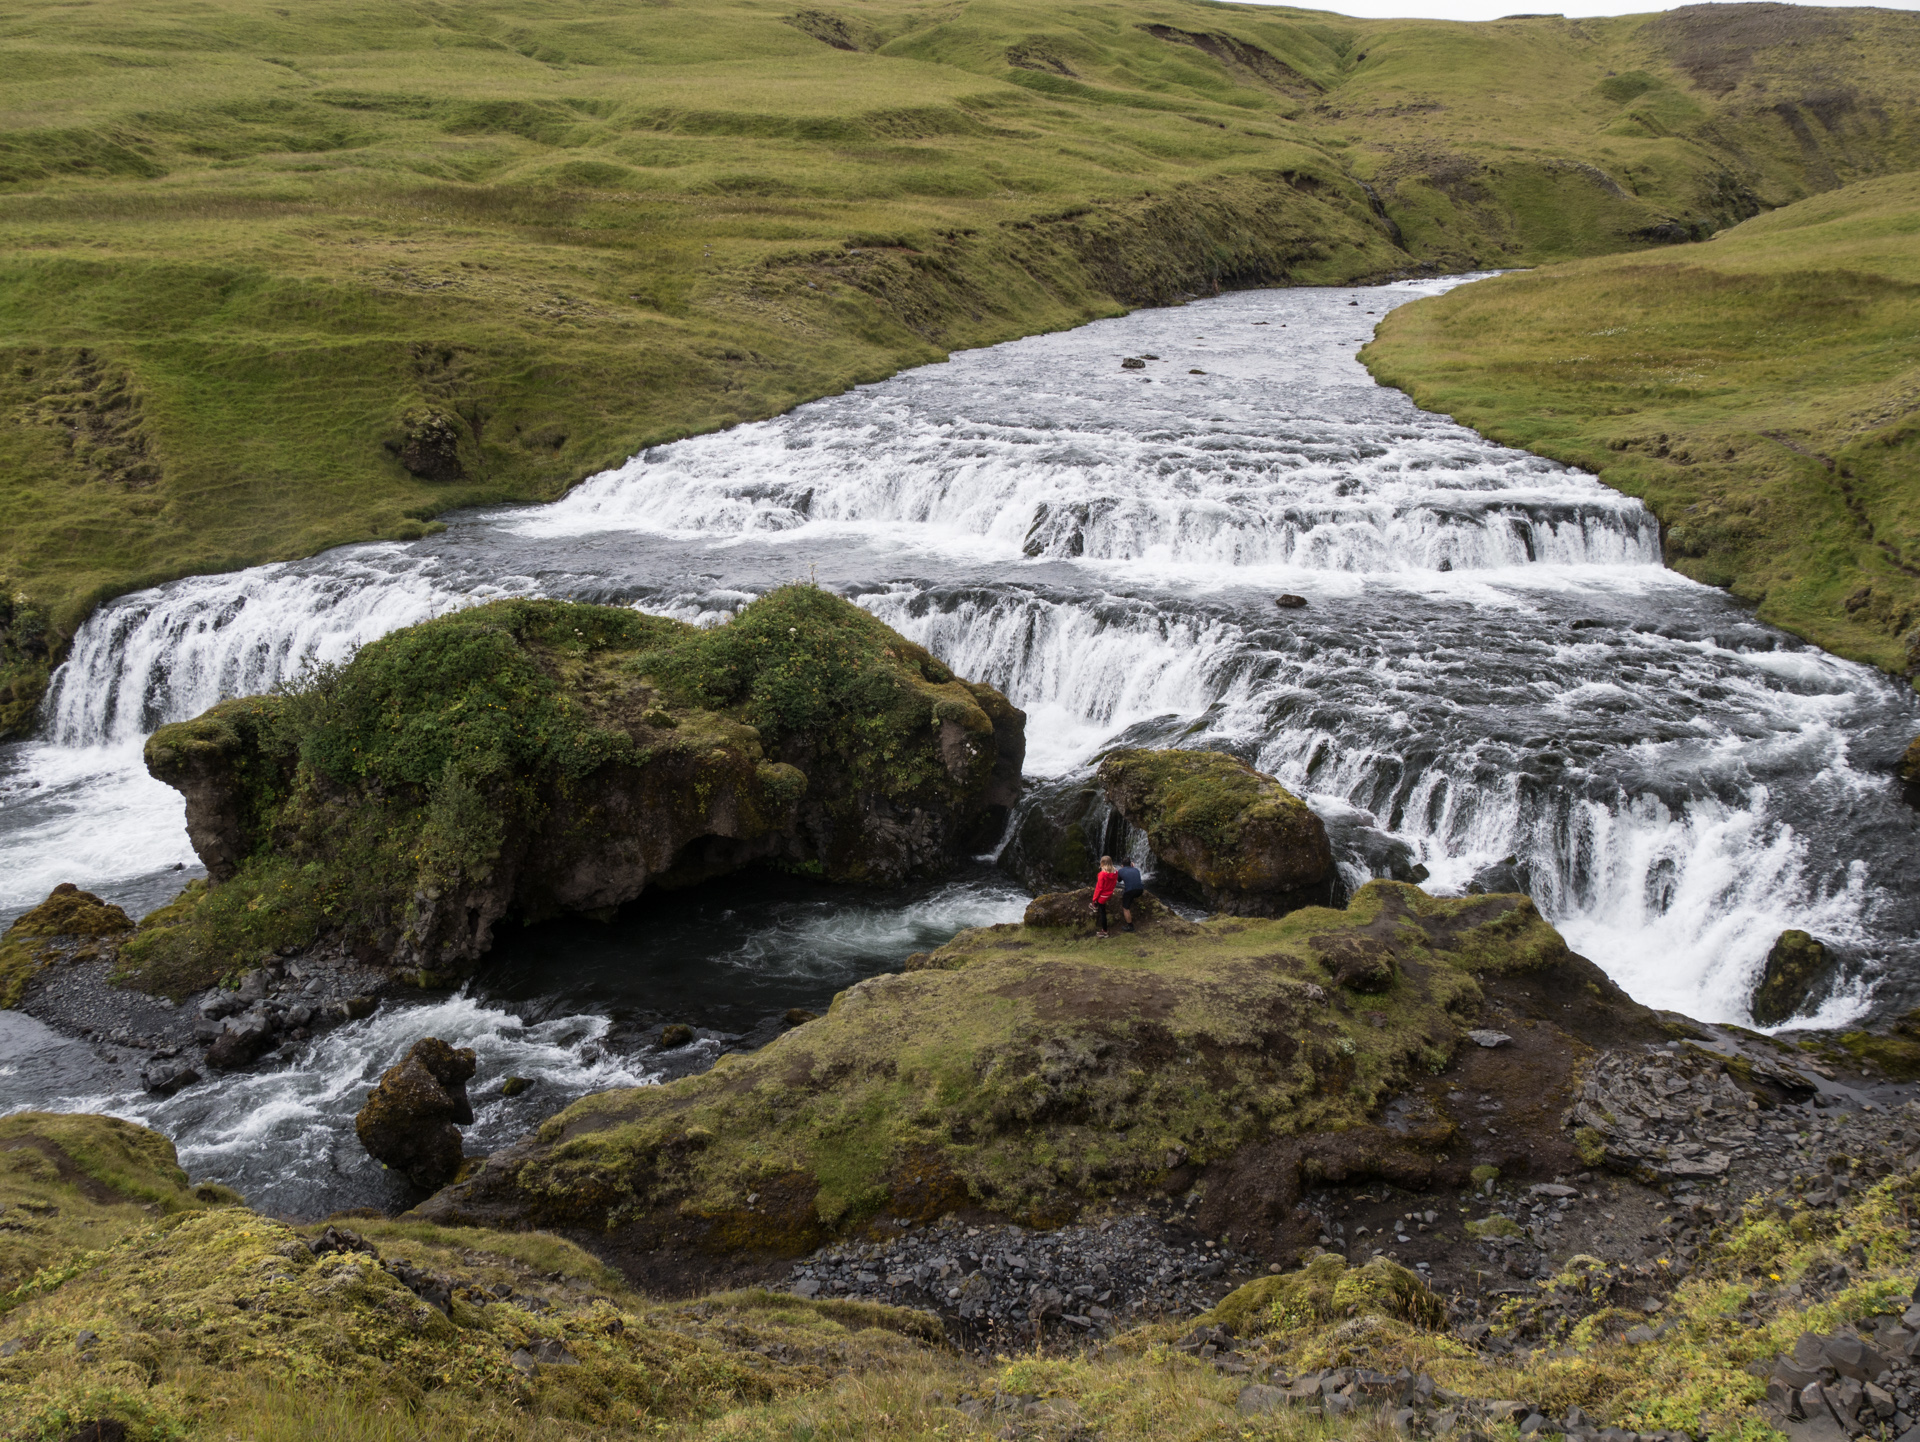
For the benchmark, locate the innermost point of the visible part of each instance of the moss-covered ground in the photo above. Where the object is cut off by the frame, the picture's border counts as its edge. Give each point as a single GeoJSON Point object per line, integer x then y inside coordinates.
{"type": "Point", "coordinates": [279, 278]}
{"type": "Point", "coordinates": [69, 925]}
{"type": "Point", "coordinates": [1758, 391]}
{"type": "Point", "coordinates": [1028, 1070]}
{"type": "Point", "coordinates": [129, 1295]}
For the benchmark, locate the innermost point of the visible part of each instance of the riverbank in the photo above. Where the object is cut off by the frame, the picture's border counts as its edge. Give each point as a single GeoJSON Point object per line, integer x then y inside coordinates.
{"type": "Point", "coordinates": [1646, 1243]}
{"type": "Point", "coordinates": [279, 283]}
{"type": "Point", "coordinates": [1758, 392]}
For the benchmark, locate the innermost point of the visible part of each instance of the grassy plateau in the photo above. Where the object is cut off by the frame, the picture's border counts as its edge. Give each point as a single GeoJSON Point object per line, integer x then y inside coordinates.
{"type": "Point", "coordinates": [1761, 392]}
{"type": "Point", "coordinates": [277, 278]}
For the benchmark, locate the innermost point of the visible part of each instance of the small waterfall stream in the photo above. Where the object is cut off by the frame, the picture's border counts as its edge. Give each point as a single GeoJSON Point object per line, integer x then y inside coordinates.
{"type": "Point", "coordinates": [1493, 669]}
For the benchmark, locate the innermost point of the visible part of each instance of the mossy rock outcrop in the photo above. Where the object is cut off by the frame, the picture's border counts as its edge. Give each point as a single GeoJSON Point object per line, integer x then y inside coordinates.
{"type": "Point", "coordinates": [1029, 1071]}
{"type": "Point", "coordinates": [70, 925]}
{"type": "Point", "coordinates": [1241, 841]}
{"type": "Point", "coordinates": [1795, 965]}
{"type": "Point", "coordinates": [537, 758]}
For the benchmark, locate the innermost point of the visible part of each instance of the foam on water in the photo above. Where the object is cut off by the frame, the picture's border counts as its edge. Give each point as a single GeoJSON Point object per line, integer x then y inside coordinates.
{"type": "Point", "coordinates": [284, 1138]}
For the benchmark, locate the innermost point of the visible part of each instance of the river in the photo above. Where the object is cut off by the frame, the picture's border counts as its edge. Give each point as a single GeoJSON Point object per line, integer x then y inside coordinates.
{"type": "Point", "coordinates": [1492, 670]}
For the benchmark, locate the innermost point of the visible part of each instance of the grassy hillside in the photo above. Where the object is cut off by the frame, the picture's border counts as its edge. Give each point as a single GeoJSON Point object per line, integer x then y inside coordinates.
{"type": "Point", "coordinates": [275, 278]}
{"type": "Point", "coordinates": [1761, 392]}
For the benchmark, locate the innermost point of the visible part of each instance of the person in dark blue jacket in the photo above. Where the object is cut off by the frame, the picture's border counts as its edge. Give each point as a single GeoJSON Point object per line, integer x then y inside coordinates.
{"type": "Point", "coordinates": [1132, 888]}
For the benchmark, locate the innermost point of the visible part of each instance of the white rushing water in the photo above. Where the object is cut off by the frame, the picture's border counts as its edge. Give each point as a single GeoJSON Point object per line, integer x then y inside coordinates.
{"type": "Point", "coordinates": [1492, 664]}
{"type": "Point", "coordinates": [284, 1137]}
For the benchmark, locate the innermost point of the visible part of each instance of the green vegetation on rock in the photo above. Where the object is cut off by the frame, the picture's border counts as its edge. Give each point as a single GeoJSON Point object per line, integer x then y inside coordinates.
{"type": "Point", "coordinates": [275, 281]}
{"type": "Point", "coordinates": [1794, 964]}
{"type": "Point", "coordinates": [135, 1300]}
{"type": "Point", "coordinates": [70, 924]}
{"type": "Point", "coordinates": [1024, 1070]}
{"type": "Point", "coordinates": [1757, 392]}
{"type": "Point", "coordinates": [542, 757]}
{"type": "Point", "coordinates": [1242, 840]}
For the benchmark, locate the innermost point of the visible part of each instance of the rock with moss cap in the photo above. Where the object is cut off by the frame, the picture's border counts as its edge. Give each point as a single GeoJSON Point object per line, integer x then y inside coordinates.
{"type": "Point", "coordinates": [1240, 840]}
{"type": "Point", "coordinates": [539, 758]}
{"type": "Point", "coordinates": [1795, 965]}
{"type": "Point", "coordinates": [70, 925]}
{"type": "Point", "coordinates": [412, 1119]}
{"type": "Point", "coordinates": [1033, 1071]}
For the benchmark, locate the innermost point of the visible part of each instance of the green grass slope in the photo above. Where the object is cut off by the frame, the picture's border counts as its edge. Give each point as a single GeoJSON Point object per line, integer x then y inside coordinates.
{"type": "Point", "coordinates": [276, 278]}
{"type": "Point", "coordinates": [1761, 392]}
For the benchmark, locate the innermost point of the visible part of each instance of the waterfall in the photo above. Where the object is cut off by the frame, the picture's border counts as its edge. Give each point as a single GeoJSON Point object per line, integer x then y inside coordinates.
{"type": "Point", "coordinates": [1490, 663]}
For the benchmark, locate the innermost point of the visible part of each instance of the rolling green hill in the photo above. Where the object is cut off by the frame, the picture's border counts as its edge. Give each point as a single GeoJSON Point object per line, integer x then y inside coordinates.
{"type": "Point", "coordinates": [1761, 392]}
{"type": "Point", "coordinates": [273, 278]}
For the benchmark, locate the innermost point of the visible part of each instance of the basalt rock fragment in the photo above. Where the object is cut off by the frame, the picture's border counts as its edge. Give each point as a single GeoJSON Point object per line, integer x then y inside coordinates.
{"type": "Point", "coordinates": [1238, 839]}
{"type": "Point", "coordinates": [412, 1119]}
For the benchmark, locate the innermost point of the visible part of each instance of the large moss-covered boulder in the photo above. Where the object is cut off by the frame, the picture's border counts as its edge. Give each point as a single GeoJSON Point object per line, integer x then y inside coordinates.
{"type": "Point", "coordinates": [536, 758]}
{"type": "Point", "coordinates": [70, 925]}
{"type": "Point", "coordinates": [1033, 1071]}
{"type": "Point", "coordinates": [1794, 965]}
{"type": "Point", "coordinates": [1239, 839]}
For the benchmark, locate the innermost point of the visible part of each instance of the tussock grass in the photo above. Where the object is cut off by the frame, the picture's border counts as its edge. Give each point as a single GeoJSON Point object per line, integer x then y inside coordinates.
{"type": "Point", "coordinates": [1760, 392]}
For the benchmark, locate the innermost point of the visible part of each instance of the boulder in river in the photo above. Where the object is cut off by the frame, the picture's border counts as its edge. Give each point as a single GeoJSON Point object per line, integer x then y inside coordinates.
{"type": "Point", "coordinates": [542, 758]}
{"type": "Point", "coordinates": [1794, 966]}
{"type": "Point", "coordinates": [412, 1119]}
{"type": "Point", "coordinates": [1240, 840]}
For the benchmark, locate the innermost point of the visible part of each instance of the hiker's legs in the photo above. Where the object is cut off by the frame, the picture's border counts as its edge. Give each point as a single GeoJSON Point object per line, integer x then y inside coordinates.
{"type": "Point", "coordinates": [1100, 911]}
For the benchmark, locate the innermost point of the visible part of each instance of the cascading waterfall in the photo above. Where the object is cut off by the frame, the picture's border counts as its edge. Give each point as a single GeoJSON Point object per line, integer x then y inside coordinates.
{"type": "Point", "coordinates": [1493, 664]}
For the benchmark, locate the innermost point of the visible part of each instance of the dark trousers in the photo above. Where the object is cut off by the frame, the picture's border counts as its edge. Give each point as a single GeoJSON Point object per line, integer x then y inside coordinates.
{"type": "Point", "coordinates": [1100, 910]}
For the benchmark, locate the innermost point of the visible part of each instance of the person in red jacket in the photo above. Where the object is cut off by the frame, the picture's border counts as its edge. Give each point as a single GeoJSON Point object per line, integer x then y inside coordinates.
{"type": "Point", "coordinates": [1103, 889]}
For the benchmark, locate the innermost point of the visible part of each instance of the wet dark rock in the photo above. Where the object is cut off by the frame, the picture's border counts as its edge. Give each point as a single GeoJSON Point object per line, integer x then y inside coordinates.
{"type": "Point", "coordinates": [1795, 965]}
{"type": "Point", "coordinates": [675, 1035]}
{"type": "Point", "coordinates": [1499, 879]}
{"type": "Point", "coordinates": [513, 1086]}
{"type": "Point", "coordinates": [243, 1039]}
{"type": "Point", "coordinates": [1289, 602]}
{"type": "Point", "coordinates": [798, 1016]}
{"type": "Point", "coordinates": [1063, 829]}
{"type": "Point", "coordinates": [412, 1119]}
{"type": "Point", "coordinates": [163, 1079]}
{"type": "Point", "coordinates": [1133, 363]}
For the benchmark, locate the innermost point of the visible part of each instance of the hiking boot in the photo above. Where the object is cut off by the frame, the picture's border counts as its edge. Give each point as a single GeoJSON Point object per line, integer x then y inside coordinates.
{"type": "Point", "coordinates": [1129, 926]}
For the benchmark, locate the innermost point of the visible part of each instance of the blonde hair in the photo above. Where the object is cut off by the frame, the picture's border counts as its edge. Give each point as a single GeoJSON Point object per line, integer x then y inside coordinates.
{"type": "Point", "coordinates": [1105, 862]}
